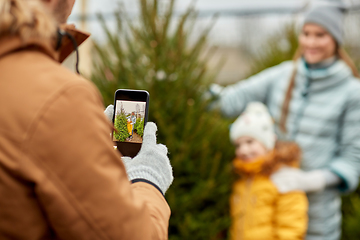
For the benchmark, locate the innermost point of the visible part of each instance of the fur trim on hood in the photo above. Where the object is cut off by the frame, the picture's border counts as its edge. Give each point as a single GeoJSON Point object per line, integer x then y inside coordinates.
{"type": "Point", "coordinates": [284, 154]}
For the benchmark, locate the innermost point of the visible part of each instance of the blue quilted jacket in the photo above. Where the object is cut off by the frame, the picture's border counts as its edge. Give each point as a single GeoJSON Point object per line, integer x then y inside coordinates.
{"type": "Point", "coordinates": [324, 119]}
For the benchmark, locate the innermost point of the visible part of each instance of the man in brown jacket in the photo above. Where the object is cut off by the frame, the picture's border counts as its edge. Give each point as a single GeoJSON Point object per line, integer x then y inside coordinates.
{"type": "Point", "coordinates": [60, 177]}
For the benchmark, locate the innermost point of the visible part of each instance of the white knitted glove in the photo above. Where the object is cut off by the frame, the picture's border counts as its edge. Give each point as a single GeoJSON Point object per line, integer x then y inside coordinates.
{"type": "Point", "coordinates": [109, 112]}
{"type": "Point", "coordinates": [213, 94]}
{"type": "Point", "coordinates": [289, 179]}
{"type": "Point", "coordinates": [215, 89]}
{"type": "Point", "coordinates": [151, 163]}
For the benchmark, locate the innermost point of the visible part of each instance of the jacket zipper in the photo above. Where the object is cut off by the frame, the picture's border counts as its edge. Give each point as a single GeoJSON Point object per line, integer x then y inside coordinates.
{"type": "Point", "coordinates": [247, 194]}
{"type": "Point", "coordinates": [300, 113]}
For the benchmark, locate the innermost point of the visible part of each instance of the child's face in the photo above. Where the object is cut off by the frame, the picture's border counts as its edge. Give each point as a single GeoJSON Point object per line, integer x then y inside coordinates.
{"type": "Point", "coordinates": [248, 149]}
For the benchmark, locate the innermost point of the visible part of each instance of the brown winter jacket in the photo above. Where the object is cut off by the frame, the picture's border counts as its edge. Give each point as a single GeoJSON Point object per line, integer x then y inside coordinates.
{"type": "Point", "coordinates": [60, 177]}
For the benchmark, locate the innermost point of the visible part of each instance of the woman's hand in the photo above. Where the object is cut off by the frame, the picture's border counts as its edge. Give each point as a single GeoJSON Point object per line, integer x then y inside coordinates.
{"type": "Point", "coordinates": [289, 179]}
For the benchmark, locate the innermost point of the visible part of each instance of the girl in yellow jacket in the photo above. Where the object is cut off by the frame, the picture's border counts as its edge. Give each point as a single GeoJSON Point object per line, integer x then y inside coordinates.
{"type": "Point", "coordinates": [258, 210]}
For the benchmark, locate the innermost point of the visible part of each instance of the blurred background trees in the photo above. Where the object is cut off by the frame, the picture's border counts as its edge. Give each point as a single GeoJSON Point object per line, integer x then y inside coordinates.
{"type": "Point", "coordinates": [169, 54]}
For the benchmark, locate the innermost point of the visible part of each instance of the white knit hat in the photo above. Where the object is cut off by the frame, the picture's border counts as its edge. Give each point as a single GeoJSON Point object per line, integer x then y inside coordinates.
{"type": "Point", "coordinates": [255, 122]}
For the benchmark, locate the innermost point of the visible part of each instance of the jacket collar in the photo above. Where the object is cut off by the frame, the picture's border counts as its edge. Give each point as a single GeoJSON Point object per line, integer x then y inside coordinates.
{"type": "Point", "coordinates": [323, 64]}
{"type": "Point", "coordinates": [10, 44]}
{"type": "Point", "coordinates": [320, 79]}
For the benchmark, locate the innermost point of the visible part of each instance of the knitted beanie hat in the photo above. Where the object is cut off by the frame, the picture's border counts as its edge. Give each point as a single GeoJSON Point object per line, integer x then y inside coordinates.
{"type": "Point", "coordinates": [255, 122]}
{"type": "Point", "coordinates": [330, 16]}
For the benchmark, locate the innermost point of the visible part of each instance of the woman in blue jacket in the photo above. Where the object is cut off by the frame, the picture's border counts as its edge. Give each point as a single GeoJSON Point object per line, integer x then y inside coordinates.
{"type": "Point", "coordinates": [315, 101]}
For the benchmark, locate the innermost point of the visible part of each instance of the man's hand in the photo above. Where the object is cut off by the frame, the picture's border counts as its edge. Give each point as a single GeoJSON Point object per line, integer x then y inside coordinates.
{"type": "Point", "coordinates": [151, 163]}
{"type": "Point", "coordinates": [109, 112]}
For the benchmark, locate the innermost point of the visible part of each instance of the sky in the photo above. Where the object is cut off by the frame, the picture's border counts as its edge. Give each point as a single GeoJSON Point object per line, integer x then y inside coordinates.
{"type": "Point", "coordinates": [181, 5]}
{"type": "Point", "coordinates": [229, 30]}
{"type": "Point", "coordinates": [226, 30]}
{"type": "Point", "coordinates": [129, 106]}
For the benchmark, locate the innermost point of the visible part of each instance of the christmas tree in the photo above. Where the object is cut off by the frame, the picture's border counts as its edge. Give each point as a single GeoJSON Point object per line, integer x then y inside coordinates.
{"type": "Point", "coordinates": [139, 127]}
{"type": "Point", "coordinates": [120, 125]}
{"type": "Point", "coordinates": [147, 54]}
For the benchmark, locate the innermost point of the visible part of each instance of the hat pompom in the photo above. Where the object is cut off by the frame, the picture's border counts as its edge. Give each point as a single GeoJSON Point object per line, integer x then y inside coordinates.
{"type": "Point", "coordinates": [255, 122]}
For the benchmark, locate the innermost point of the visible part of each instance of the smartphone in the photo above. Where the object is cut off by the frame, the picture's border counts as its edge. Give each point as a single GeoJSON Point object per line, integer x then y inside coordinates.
{"type": "Point", "coordinates": [131, 109]}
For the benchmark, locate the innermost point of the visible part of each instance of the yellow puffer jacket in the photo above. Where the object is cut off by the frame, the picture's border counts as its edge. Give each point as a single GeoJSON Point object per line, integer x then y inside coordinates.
{"type": "Point", "coordinates": [260, 212]}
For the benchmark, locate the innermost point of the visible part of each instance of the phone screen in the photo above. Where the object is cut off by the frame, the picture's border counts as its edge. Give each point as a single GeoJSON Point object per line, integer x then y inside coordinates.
{"type": "Point", "coordinates": [130, 117]}
{"type": "Point", "coordinates": [129, 121]}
